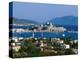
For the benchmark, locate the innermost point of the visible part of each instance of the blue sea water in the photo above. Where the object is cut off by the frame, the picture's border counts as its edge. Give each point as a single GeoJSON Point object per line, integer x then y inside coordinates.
{"type": "Point", "coordinates": [45, 34]}
{"type": "Point", "coordinates": [68, 27]}
{"type": "Point", "coordinates": [23, 27]}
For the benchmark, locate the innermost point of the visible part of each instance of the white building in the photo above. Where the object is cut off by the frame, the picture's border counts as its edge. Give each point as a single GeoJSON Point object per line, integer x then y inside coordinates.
{"type": "Point", "coordinates": [15, 39]}
{"type": "Point", "coordinates": [67, 46]}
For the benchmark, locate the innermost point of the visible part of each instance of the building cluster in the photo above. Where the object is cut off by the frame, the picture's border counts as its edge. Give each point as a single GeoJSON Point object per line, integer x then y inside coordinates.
{"type": "Point", "coordinates": [43, 44]}
{"type": "Point", "coordinates": [48, 27]}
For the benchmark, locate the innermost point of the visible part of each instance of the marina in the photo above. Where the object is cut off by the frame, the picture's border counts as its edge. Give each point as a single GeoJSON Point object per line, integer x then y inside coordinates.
{"type": "Point", "coordinates": [42, 31]}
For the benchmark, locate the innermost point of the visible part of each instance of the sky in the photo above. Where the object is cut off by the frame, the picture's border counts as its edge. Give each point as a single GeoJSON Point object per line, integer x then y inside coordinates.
{"type": "Point", "coordinates": [42, 12]}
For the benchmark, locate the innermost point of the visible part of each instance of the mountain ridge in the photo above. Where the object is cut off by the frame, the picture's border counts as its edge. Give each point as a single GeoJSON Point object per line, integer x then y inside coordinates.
{"type": "Point", "coordinates": [65, 20]}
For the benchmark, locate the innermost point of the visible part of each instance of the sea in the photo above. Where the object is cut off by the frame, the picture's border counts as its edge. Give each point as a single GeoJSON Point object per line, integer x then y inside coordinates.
{"type": "Point", "coordinates": [73, 34]}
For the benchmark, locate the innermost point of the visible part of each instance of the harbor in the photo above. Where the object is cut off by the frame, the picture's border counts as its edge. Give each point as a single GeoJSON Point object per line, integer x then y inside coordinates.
{"type": "Point", "coordinates": [45, 39]}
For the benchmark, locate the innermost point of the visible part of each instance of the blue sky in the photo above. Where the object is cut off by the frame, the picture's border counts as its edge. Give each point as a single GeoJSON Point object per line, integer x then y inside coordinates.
{"type": "Point", "coordinates": [42, 12]}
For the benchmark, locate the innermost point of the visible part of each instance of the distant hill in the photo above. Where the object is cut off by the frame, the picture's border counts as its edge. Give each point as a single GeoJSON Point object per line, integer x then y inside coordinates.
{"type": "Point", "coordinates": [66, 20]}
{"type": "Point", "coordinates": [23, 21]}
